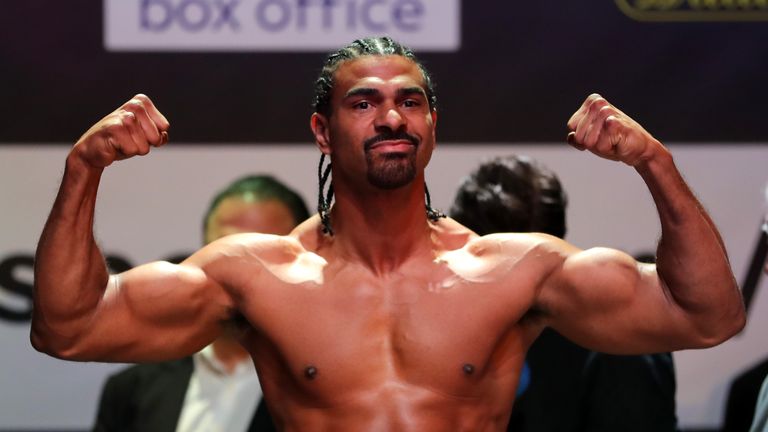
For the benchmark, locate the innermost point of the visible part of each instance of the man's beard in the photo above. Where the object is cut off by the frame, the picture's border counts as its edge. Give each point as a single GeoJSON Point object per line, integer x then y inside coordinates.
{"type": "Point", "coordinates": [391, 170]}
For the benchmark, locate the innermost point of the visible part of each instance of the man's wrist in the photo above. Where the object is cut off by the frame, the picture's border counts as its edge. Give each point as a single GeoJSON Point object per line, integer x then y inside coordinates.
{"type": "Point", "coordinates": [76, 164]}
{"type": "Point", "coordinates": [656, 158]}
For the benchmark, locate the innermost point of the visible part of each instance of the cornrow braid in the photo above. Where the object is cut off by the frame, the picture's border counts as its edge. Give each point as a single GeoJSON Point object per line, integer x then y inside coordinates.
{"type": "Point", "coordinates": [324, 200]}
{"type": "Point", "coordinates": [433, 214]}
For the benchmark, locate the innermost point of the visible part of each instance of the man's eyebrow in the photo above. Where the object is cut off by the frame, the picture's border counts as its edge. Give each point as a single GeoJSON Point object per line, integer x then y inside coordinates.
{"type": "Point", "coordinates": [362, 91]}
{"type": "Point", "coordinates": [368, 91]}
{"type": "Point", "coordinates": [410, 91]}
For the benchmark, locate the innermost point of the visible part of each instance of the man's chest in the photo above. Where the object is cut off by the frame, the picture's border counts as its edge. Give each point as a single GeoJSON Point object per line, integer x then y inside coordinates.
{"type": "Point", "coordinates": [429, 329]}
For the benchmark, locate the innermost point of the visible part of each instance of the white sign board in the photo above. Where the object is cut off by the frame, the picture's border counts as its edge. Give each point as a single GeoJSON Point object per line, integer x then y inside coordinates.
{"type": "Point", "coordinates": [277, 25]}
{"type": "Point", "coordinates": [151, 208]}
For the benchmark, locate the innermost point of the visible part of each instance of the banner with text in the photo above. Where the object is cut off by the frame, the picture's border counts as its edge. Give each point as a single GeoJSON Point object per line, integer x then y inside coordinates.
{"type": "Point", "coordinates": [277, 25]}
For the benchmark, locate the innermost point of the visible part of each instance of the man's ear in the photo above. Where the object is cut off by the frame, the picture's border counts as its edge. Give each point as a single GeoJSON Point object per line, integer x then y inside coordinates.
{"type": "Point", "coordinates": [319, 125]}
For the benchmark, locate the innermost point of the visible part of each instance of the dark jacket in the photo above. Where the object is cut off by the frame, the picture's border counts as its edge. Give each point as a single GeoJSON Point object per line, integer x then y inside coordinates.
{"type": "Point", "coordinates": [149, 398]}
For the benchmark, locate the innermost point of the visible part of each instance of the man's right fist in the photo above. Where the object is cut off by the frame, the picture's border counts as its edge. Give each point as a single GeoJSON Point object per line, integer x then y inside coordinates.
{"type": "Point", "coordinates": [126, 132]}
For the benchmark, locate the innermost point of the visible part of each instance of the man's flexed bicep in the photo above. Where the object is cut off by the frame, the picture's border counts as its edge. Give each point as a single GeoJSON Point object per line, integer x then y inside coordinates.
{"type": "Point", "coordinates": [604, 300]}
{"type": "Point", "coordinates": [153, 312]}
{"type": "Point", "coordinates": [83, 313]}
{"type": "Point", "coordinates": [691, 290]}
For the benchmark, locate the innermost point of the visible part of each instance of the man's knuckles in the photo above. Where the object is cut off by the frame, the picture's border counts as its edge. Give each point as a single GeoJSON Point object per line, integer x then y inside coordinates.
{"type": "Point", "coordinates": [142, 98]}
{"type": "Point", "coordinates": [127, 118]}
{"type": "Point", "coordinates": [142, 104]}
{"type": "Point", "coordinates": [597, 105]}
{"type": "Point", "coordinates": [594, 96]}
{"type": "Point", "coordinates": [607, 111]}
{"type": "Point", "coordinates": [159, 119]}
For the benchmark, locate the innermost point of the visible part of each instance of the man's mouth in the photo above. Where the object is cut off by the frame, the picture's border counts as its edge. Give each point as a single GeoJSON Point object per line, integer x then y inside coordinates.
{"type": "Point", "coordinates": [391, 142]}
{"type": "Point", "coordinates": [393, 146]}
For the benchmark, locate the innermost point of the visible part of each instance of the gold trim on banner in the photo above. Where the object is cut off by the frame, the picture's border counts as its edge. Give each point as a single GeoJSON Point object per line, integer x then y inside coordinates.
{"type": "Point", "coordinates": [694, 10]}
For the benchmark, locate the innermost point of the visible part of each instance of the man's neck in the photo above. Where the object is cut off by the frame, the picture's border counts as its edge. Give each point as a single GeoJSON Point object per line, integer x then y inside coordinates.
{"type": "Point", "coordinates": [383, 228]}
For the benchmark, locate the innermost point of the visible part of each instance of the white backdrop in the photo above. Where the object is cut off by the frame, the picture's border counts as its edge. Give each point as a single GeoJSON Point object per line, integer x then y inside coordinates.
{"type": "Point", "coordinates": [150, 208]}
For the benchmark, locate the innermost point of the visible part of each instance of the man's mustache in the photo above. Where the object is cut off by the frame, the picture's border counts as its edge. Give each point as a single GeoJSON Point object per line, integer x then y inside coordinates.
{"type": "Point", "coordinates": [390, 136]}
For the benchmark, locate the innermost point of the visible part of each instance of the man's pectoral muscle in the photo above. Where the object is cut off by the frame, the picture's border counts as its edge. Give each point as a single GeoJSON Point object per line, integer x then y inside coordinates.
{"type": "Point", "coordinates": [437, 332]}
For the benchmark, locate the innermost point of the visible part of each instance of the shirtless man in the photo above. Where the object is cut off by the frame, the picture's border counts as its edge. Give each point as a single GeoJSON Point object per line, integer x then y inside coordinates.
{"type": "Point", "coordinates": [394, 321]}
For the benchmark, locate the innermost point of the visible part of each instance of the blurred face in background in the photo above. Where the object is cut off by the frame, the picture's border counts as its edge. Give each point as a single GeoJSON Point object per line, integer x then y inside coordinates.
{"type": "Point", "coordinates": [234, 215]}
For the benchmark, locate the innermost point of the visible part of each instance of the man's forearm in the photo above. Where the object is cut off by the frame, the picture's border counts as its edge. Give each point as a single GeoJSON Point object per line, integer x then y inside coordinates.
{"type": "Point", "coordinates": [70, 273]}
{"type": "Point", "coordinates": [691, 257]}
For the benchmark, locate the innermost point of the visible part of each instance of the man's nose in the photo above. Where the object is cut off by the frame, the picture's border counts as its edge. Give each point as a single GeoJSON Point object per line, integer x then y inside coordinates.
{"type": "Point", "coordinates": [390, 118]}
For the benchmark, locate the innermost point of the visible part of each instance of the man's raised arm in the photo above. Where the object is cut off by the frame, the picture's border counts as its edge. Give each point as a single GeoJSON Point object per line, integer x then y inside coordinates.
{"type": "Point", "coordinates": [83, 313]}
{"type": "Point", "coordinates": [605, 300]}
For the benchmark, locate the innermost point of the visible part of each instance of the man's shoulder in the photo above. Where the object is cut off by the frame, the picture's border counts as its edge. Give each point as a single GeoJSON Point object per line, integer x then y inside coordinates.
{"type": "Point", "coordinates": [514, 242]}
{"type": "Point", "coordinates": [303, 238]}
{"type": "Point", "coordinates": [254, 245]}
{"type": "Point", "coordinates": [456, 237]}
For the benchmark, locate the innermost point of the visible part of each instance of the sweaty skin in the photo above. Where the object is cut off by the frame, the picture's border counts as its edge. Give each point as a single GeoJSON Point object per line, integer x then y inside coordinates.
{"type": "Point", "coordinates": [394, 323]}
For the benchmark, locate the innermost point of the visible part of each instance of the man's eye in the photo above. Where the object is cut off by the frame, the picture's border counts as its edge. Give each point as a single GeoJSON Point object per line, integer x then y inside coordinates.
{"type": "Point", "coordinates": [410, 103]}
{"type": "Point", "coordinates": [362, 105]}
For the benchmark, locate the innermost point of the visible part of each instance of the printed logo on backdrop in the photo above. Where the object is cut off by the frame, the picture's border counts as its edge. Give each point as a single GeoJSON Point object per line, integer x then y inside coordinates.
{"type": "Point", "coordinates": [277, 25]}
{"type": "Point", "coordinates": [695, 10]}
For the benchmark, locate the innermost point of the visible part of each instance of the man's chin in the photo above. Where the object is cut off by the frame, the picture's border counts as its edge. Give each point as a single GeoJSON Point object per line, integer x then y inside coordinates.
{"type": "Point", "coordinates": [389, 183]}
{"type": "Point", "coordinates": [391, 178]}
{"type": "Point", "coordinates": [391, 170]}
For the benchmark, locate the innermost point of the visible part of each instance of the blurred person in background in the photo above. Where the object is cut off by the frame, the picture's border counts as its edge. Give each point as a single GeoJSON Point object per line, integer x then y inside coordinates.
{"type": "Point", "coordinates": [216, 389]}
{"type": "Point", "coordinates": [745, 392]}
{"type": "Point", "coordinates": [590, 391]}
{"type": "Point", "coordinates": [760, 420]}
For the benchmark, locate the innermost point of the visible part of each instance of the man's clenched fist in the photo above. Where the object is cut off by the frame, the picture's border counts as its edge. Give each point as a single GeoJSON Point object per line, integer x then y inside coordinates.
{"type": "Point", "coordinates": [604, 130]}
{"type": "Point", "coordinates": [128, 131]}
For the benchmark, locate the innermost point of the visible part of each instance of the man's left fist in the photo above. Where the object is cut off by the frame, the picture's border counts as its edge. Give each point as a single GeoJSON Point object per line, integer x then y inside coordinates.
{"type": "Point", "coordinates": [604, 130]}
